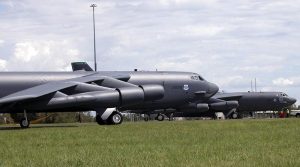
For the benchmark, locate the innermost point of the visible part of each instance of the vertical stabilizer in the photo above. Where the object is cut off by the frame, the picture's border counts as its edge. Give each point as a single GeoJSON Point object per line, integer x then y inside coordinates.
{"type": "Point", "coordinates": [81, 66]}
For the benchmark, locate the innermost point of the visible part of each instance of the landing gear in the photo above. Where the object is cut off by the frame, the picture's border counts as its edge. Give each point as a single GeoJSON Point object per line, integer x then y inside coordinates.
{"type": "Point", "coordinates": [115, 118]}
{"type": "Point", "coordinates": [160, 117]}
{"type": "Point", "coordinates": [171, 117]}
{"type": "Point", "coordinates": [146, 117]}
{"type": "Point", "coordinates": [24, 123]}
{"type": "Point", "coordinates": [235, 115]}
{"type": "Point", "coordinates": [99, 120]}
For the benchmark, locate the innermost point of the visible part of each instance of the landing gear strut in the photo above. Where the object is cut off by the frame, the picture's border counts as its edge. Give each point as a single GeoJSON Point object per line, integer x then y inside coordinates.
{"type": "Point", "coordinates": [24, 123]}
{"type": "Point", "coordinates": [171, 117]}
{"type": "Point", "coordinates": [233, 114]}
{"type": "Point", "coordinates": [146, 117]}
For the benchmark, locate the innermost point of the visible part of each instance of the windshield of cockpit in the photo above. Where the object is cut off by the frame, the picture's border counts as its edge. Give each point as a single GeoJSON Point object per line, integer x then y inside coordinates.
{"type": "Point", "coordinates": [197, 77]}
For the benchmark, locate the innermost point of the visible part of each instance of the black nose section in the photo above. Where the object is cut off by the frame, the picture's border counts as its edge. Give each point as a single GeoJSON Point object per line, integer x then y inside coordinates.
{"type": "Point", "coordinates": [291, 100]}
{"type": "Point", "coordinates": [212, 88]}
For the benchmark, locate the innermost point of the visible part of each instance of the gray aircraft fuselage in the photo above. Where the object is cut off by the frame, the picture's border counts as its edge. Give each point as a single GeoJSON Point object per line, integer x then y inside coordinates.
{"type": "Point", "coordinates": [179, 87]}
{"type": "Point", "coordinates": [250, 101]}
{"type": "Point", "coordinates": [263, 101]}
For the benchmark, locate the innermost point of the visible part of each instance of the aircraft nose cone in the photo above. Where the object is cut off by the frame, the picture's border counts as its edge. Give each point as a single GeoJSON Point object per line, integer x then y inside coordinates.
{"type": "Point", "coordinates": [212, 88]}
{"type": "Point", "coordinates": [292, 100]}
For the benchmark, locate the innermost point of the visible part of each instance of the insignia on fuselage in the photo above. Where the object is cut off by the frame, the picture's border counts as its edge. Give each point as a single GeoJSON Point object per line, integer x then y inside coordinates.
{"type": "Point", "coordinates": [186, 87]}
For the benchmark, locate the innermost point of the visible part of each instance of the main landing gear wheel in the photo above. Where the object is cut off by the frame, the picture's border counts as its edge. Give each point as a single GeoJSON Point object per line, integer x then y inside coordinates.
{"type": "Point", "coordinates": [116, 118]}
{"type": "Point", "coordinates": [160, 117]}
{"type": "Point", "coordinates": [235, 115]}
{"type": "Point", "coordinates": [24, 123]}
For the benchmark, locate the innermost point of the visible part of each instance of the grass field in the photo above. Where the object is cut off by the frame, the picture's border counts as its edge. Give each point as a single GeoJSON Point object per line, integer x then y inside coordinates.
{"type": "Point", "coordinates": [269, 142]}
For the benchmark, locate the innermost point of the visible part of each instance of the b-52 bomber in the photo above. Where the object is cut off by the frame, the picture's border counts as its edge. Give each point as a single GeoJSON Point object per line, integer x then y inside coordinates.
{"type": "Point", "coordinates": [248, 102]}
{"type": "Point", "coordinates": [231, 104]}
{"type": "Point", "coordinates": [106, 92]}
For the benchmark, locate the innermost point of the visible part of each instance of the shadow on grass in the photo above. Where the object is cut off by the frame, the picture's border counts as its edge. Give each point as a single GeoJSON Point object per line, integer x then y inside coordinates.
{"type": "Point", "coordinates": [37, 126]}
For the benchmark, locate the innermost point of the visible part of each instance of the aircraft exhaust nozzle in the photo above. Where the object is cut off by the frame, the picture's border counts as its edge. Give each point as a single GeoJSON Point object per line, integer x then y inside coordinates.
{"type": "Point", "coordinates": [225, 105]}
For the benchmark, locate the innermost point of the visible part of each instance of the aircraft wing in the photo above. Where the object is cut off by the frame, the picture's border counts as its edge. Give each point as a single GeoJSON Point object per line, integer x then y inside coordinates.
{"type": "Point", "coordinates": [84, 93]}
{"type": "Point", "coordinates": [52, 87]}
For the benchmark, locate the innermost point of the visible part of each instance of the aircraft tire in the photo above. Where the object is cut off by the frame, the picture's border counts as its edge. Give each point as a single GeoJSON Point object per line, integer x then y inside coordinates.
{"type": "Point", "coordinates": [160, 117]}
{"type": "Point", "coordinates": [100, 121]}
{"type": "Point", "coordinates": [116, 118]}
{"type": "Point", "coordinates": [24, 123]}
{"type": "Point", "coordinates": [235, 115]}
{"type": "Point", "coordinates": [298, 115]}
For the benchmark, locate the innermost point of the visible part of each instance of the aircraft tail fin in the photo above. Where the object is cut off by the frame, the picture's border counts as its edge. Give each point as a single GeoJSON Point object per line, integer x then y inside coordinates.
{"type": "Point", "coordinates": [79, 66]}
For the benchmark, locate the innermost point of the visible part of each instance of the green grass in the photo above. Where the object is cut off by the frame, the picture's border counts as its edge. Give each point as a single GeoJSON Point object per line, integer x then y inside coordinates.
{"type": "Point", "coordinates": [269, 142]}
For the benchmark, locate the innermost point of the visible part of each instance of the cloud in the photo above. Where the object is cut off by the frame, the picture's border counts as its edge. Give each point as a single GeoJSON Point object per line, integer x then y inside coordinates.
{"type": "Point", "coordinates": [43, 55]}
{"type": "Point", "coordinates": [2, 64]}
{"type": "Point", "coordinates": [282, 82]}
{"type": "Point", "coordinates": [255, 69]}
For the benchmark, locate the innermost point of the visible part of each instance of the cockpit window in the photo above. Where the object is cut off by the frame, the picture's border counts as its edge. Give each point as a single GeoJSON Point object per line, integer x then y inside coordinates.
{"type": "Point", "coordinates": [202, 79]}
{"type": "Point", "coordinates": [283, 95]}
{"type": "Point", "coordinates": [197, 77]}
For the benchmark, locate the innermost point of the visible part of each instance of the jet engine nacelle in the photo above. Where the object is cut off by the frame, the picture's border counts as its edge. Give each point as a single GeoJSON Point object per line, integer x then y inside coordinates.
{"type": "Point", "coordinates": [131, 95]}
{"type": "Point", "coordinates": [135, 95]}
{"type": "Point", "coordinates": [119, 97]}
{"type": "Point", "coordinates": [153, 92]}
{"type": "Point", "coordinates": [224, 105]}
{"type": "Point", "coordinates": [196, 108]}
{"type": "Point", "coordinates": [202, 107]}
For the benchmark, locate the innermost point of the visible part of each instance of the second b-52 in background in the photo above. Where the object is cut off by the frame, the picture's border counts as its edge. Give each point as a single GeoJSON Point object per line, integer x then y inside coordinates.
{"type": "Point", "coordinates": [248, 102]}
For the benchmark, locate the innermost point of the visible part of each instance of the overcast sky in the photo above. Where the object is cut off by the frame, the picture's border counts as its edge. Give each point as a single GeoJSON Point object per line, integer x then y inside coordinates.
{"type": "Point", "coordinates": [228, 42]}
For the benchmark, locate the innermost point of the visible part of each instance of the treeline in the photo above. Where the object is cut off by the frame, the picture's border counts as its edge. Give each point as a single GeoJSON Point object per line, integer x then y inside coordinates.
{"type": "Point", "coordinates": [59, 117]}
